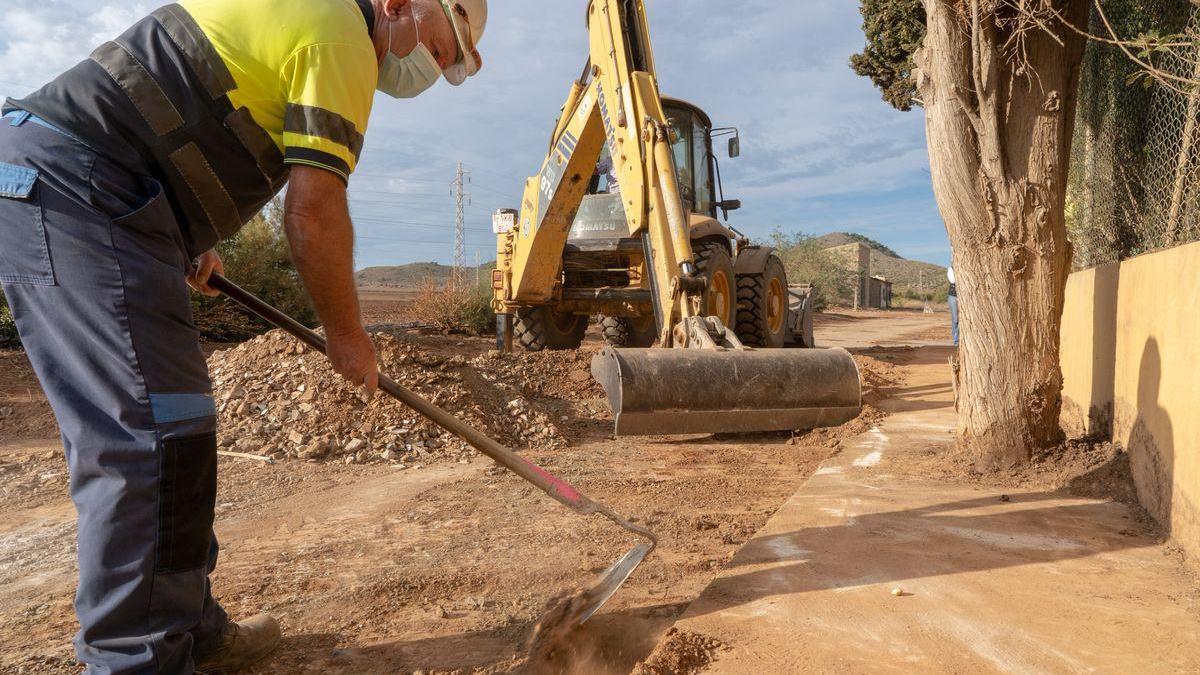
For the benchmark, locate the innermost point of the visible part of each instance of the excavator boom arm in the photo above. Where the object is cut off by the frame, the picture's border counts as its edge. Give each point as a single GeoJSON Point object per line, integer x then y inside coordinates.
{"type": "Point", "coordinates": [615, 102]}
{"type": "Point", "coordinates": [700, 378]}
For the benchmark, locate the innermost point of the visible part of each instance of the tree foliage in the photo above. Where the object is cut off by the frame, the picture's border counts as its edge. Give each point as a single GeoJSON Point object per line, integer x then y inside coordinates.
{"type": "Point", "coordinates": [895, 30]}
{"type": "Point", "coordinates": [8, 328]}
{"type": "Point", "coordinates": [257, 259]}
{"type": "Point", "coordinates": [808, 261]}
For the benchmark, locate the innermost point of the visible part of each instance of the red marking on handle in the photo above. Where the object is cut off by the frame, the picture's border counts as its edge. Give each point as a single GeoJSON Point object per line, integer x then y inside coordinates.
{"type": "Point", "coordinates": [560, 486]}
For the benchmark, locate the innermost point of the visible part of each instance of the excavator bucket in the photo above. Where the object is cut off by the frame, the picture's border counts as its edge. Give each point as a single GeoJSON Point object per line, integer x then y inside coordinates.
{"type": "Point", "coordinates": [684, 391]}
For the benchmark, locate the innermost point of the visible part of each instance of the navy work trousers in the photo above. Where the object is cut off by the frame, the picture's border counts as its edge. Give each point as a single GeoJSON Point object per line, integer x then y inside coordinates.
{"type": "Point", "coordinates": [92, 263]}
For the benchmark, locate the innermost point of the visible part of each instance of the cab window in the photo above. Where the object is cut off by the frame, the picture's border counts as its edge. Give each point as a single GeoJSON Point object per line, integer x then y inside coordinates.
{"type": "Point", "coordinates": [703, 185]}
{"type": "Point", "coordinates": [681, 149]}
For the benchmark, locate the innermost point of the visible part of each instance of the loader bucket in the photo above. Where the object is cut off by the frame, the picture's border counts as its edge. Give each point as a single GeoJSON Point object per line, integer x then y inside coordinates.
{"type": "Point", "coordinates": [685, 391]}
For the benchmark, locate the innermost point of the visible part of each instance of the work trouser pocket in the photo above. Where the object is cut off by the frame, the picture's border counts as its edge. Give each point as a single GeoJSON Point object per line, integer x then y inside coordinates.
{"type": "Point", "coordinates": [154, 228]}
{"type": "Point", "coordinates": [187, 497]}
{"type": "Point", "coordinates": [24, 253]}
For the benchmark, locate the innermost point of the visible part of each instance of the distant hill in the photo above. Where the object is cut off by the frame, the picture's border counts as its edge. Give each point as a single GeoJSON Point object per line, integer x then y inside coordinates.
{"type": "Point", "coordinates": [842, 238]}
{"type": "Point", "coordinates": [906, 275]}
{"type": "Point", "coordinates": [404, 276]}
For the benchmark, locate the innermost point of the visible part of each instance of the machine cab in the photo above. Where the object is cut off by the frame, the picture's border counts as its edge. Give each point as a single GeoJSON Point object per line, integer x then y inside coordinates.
{"type": "Point", "coordinates": [697, 166]}
{"type": "Point", "coordinates": [601, 214]}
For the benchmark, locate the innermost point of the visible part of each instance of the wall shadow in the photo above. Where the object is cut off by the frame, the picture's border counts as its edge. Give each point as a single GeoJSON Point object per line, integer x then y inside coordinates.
{"type": "Point", "coordinates": [924, 389]}
{"type": "Point", "coordinates": [1151, 444]}
{"type": "Point", "coordinates": [1106, 285]}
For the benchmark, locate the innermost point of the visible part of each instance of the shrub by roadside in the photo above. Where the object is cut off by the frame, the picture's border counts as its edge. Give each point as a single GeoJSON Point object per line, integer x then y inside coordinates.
{"type": "Point", "coordinates": [257, 259]}
{"type": "Point", "coordinates": [8, 328]}
{"type": "Point", "coordinates": [455, 306]}
{"type": "Point", "coordinates": [807, 261]}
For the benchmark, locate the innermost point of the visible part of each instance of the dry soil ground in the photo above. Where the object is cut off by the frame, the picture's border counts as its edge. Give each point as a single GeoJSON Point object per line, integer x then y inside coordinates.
{"type": "Point", "coordinates": [437, 567]}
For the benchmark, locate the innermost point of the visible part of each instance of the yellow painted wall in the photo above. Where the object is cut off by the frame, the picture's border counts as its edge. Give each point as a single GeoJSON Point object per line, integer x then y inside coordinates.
{"type": "Point", "coordinates": [1089, 347]}
{"type": "Point", "coordinates": [1151, 305]}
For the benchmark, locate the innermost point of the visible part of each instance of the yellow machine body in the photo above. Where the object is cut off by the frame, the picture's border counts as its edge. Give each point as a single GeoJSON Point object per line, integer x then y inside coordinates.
{"type": "Point", "coordinates": [668, 273]}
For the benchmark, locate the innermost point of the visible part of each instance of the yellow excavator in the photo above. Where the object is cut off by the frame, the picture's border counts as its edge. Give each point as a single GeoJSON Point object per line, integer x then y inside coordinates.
{"type": "Point", "coordinates": [621, 222]}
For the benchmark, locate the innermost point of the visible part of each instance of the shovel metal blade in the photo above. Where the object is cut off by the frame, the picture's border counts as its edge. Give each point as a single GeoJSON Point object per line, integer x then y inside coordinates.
{"type": "Point", "coordinates": [685, 391]}
{"type": "Point", "coordinates": [610, 582]}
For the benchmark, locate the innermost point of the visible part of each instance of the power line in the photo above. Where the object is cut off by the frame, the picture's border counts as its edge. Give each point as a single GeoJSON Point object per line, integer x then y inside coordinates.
{"type": "Point", "coordinates": [506, 177]}
{"type": "Point", "coordinates": [371, 203]}
{"type": "Point", "coordinates": [395, 177]}
{"type": "Point", "coordinates": [385, 242]}
{"type": "Point", "coordinates": [445, 227]}
{"type": "Point", "coordinates": [506, 195]}
{"type": "Point", "coordinates": [399, 200]}
{"type": "Point", "coordinates": [423, 230]}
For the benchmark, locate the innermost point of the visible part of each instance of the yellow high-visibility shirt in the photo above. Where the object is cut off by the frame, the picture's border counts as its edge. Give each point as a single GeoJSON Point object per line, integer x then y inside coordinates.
{"type": "Point", "coordinates": [305, 70]}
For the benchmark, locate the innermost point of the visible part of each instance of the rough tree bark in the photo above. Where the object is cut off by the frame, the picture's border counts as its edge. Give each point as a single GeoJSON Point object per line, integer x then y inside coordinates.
{"type": "Point", "coordinates": [999, 80]}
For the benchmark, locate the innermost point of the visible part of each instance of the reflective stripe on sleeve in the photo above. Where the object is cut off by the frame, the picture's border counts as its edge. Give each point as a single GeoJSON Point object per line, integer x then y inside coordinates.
{"type": "Point", "coordinates": [323, 160]}
{"type": "Point", "coordinates": [312, 121]}
{"type": "Point", "coordinates": [141, 88]}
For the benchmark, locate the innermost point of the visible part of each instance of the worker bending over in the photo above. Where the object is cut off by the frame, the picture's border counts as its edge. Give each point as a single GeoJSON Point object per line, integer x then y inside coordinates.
{"type": "Point", "coordinates": [117, 179]}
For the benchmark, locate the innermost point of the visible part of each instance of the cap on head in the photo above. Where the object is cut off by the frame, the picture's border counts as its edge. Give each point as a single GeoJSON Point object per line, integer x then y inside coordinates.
{"type": "Point", "coordinates": [468, 17]}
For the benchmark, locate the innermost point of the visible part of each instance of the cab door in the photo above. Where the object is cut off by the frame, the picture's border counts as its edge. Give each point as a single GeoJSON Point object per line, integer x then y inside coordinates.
{"type": "Point", "coordinates": [691, 151]}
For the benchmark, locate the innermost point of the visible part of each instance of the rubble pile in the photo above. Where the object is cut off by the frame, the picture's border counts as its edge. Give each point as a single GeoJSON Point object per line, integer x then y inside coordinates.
{"type": "Point", "coordinates": [553, 374]}
{"type": "Point", "coordinates": [277, 398]}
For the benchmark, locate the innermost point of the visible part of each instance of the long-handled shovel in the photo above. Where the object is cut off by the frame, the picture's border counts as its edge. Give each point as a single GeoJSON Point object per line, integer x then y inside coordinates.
{"type": "Point", "coordinates": [589, 601]}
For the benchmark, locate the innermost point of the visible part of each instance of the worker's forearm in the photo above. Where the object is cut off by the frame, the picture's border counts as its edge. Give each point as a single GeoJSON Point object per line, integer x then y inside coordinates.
{"type": "Point", "coordinates": [323, 251]}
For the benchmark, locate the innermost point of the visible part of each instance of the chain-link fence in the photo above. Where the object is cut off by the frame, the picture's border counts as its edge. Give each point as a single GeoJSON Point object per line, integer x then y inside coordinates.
{"type": "Point", "coordinates": [1135, 166]}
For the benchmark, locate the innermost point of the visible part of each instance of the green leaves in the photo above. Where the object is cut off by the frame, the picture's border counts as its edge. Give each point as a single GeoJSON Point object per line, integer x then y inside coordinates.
{"type": "Point", "coordinates": [8, 328]}
{"type": "Point", "coordinates": [894, 30]}
{"type": "Point", "coordinates": [259, 260]}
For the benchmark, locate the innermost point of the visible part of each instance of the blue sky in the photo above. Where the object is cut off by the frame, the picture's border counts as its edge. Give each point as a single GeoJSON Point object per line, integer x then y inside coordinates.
{"type": "Point", "coordinates": [821, 152]}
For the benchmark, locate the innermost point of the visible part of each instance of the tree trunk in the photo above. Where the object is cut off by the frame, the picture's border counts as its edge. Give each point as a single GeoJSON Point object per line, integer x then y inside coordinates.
{"type": "Point", "coordinates": [1000, 92]}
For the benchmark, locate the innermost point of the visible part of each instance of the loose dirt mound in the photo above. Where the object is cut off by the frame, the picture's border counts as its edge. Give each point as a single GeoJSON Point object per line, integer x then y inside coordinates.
{"type": "Point", "coordinates": [279, 399]}
{"type": "Point", "coordinates": [681, 653]}
{"type": "Point", "coordinates": [877, 375]}
{"type": "Point", "coordinates": [1083, 467]}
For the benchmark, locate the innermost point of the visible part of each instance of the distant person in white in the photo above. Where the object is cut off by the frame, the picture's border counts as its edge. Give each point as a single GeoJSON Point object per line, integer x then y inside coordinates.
{"type": "Point", "coordinates": [605, 168]}
{"type": "Point", "coordinates": [953, 305]}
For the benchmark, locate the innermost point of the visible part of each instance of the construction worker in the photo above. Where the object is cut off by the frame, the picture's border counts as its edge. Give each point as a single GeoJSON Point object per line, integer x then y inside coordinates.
{"type": "Point", "coordinates": [116, 181]}
{"type": "Point", "coordinates": [952, 298]}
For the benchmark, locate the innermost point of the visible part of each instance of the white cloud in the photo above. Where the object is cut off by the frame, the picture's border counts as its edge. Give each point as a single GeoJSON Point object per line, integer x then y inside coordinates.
{"type": "Point", "coordinates": [821, 151]}
{"type": "Point", "coordinates": [42, 39]}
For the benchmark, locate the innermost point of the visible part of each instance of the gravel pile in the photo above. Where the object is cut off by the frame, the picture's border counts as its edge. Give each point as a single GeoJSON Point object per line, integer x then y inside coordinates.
{"type": "Point", "coordinates": [278, 399]}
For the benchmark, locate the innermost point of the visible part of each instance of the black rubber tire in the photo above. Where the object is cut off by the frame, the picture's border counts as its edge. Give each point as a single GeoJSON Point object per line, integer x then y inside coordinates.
{"type": "Point", "coordinates": [712, 260]}
{"type": "Point", "coordinates": [753, 313]}
{"type": "Point", "coordinates": [624, 331]}
{"type": "Point", "coordinates": [539, 328]}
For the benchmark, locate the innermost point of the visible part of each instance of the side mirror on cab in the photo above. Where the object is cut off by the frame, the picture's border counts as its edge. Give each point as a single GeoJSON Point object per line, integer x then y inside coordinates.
{"type": "Point", "coordinates": [735, 147]}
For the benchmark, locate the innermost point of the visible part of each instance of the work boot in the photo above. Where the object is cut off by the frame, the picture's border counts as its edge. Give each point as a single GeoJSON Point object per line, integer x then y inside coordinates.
{"type": "Point", "coordinates": [241, 644]}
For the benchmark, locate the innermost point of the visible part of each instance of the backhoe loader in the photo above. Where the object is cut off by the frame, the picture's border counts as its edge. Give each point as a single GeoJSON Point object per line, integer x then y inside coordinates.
{"type": "Point", "coordinates": [695, 316]}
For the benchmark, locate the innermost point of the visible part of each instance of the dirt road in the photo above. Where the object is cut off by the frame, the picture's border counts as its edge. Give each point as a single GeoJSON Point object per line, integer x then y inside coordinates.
{"type": "Point", "coordinates": [443, 567]}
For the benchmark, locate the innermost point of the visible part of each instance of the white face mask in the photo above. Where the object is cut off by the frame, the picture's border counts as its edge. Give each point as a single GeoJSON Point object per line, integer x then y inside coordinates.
{"type": "Point", "coordinates": [408, 77]}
